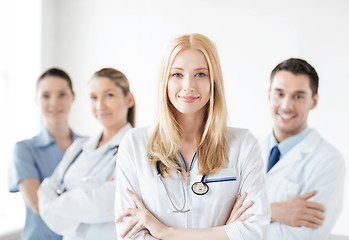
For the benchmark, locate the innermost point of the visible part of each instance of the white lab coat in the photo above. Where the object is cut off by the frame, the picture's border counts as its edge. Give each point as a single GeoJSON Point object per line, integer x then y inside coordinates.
{"type": "Point", "coordinates": [86, 210]}
{"type": "Point", "coordinates": [313, 164]}
{"type": "Point", "coordinates": [212, 209]}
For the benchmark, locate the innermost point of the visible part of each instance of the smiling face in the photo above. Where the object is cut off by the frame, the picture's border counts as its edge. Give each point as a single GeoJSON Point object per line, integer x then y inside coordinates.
{"type": "Point", "coordinates": [54, 98]}
{"type": "Point", "coordinates": [189, 84]}
{"type": "Point", "coordinates": [290, 99]}
{"type": "Point", "coordinates": [109, 104]}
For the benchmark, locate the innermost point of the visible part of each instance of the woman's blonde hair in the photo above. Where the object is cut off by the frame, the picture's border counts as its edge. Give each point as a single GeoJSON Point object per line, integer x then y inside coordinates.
{"type": "Point", "coordinates": [165, 140]}
{"type": "Point", "coordinates": [121, 81]}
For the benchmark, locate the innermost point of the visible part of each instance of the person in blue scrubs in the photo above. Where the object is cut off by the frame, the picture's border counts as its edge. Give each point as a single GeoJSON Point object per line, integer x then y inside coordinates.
{"type": "Point", "coordinates": [36, 158]}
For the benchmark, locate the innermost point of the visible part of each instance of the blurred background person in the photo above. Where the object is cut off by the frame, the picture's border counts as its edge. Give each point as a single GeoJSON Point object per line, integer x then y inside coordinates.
{"type": "Point", "coordinates": [305, 174]}
{"type": "Point", "coordinates": [36, 158]}
{"type": "Point", "coordinates": [77, 201]}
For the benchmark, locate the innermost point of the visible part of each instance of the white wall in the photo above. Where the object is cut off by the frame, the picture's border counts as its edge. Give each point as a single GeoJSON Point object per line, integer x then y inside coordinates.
{"type": "Point", "coordinates": [83, 36]}
{"type": "Point", "coordinates": [20, 48]}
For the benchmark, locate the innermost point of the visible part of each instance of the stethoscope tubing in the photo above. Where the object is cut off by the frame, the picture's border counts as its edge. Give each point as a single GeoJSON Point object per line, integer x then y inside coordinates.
{"type": "Point", "coordinates": [202, 189]}
{"type": "Point", "coordinates": [88, 176]}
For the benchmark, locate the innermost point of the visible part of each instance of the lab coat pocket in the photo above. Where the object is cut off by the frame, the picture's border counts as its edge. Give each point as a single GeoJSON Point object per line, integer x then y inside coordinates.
{"type": "Point", "coordinates": [291, 189]}
{"type": "Point", "coordinates": [223, 183]}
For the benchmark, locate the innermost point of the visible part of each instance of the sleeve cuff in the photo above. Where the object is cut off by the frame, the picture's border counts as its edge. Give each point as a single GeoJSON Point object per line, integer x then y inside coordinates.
{"type": "Point", "coordinates": [232, 231]}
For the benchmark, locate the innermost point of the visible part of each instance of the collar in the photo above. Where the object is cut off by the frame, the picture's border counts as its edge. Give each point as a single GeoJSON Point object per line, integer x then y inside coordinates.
{"type": "Point", "coordinates": [286, 145]}
{"type": "Point", "coordinates": [193, 160]}
{"type": "Point", "coordinates": [92, 143]}
{"type": "Point", "coordinates": [45, 138]}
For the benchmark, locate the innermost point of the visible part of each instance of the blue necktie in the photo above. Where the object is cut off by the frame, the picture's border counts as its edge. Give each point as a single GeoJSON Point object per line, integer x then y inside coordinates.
{"type": "Point", "coordinates": [274, 157]}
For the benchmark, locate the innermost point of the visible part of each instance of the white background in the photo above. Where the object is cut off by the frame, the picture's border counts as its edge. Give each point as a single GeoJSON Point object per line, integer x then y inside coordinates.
{"type": "Point", "coordinates": [252, 37]}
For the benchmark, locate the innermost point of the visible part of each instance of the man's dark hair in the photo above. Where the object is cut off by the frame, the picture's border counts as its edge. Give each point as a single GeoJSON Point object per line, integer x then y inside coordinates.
{"type": "Point", "coordinates": [298, 66]}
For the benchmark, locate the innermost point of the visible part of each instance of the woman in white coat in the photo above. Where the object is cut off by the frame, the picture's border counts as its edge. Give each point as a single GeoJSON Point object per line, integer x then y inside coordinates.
{"type": "Point", "coordinates": [77, 200]}
{"type": "Point", "coordinates": [181, 179]}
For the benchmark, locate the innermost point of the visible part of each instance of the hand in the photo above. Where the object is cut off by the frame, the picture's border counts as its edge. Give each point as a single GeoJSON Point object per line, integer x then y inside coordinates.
{"type": "Point", "coordinates": [239, 209]}
{"type": "Point", "coordinates": [141, 218]}
{"type": "Point", "coordinates": [299, 212]}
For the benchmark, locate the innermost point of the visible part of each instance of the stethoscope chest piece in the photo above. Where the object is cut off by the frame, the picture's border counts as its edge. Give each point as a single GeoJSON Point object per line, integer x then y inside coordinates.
{"type": "Point", "coordinates": [200, 188]}
{"type": "Point", "coordinates": [60, 191]}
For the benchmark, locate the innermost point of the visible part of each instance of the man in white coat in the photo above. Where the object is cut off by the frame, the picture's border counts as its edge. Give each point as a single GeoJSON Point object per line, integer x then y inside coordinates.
{"type": "Point", "coordinates": [305, 174]}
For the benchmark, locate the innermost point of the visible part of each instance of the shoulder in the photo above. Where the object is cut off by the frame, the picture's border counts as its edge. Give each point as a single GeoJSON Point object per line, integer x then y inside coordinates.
{"type": "Point", "coordinates": [243, 148]}
{"type": "Point", "coordinates": [135, 140]}
{"type": "Point", "coordinates": [133, 148]}
{"type": "Point", "coordinates": [139, 132]}
{"type": "Point", "coordinates": [24, 145]}
{"type": "Point", "coordinates": [241, 142]}
{"type": "Point", "coordinates": [240, 135]}
{"type": "Point", "coordinates": [326, 150]}
{"type": "Point", "coordinates": [319, 155]}
{"type": "Point", "coordinates": [136, 135]}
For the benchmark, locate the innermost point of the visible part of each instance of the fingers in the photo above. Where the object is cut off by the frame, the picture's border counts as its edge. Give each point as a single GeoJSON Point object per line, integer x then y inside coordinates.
{"type": "Point", "coordinates": [240, 199]}
{"type": "Point", "coordinates": [133, 225]}
{"type": "Point", "coordinates": [135, 229]}
{"type": "Point", "coordinates": [237, 201]}
{"type": "Point", "coordinates": [312, 219]}
{"type": "Point", "coordinates": [243, 218]}
{"type": "Point", "coordinates": [127, 212]}
{"type": "Point", "coordinates": [305, 223]}
{"type": "Point", "coordinates": [131, 211]}
{"type": "Point", "coordinates": [242, 209]}
{"type": "Point", "coordinates": [136, 199]}
{"type": "Point", "coordinates": [246, 206]}
{"type": "Point", "coordinates": [314, 212]}
{"type": "Point", "coordinates": [128, 228]}
{"type": "Point", "coordinates": [316, 205]}
{"type": "Point", "coordinates": [239, 209]}
{"type": "Point", "coordinates": [306, 196]}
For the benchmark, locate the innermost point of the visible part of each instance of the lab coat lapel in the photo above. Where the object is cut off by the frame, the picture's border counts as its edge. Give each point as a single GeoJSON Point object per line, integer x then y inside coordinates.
{"type": "Point", "coordinates": [298, 152]}
{"type": "Point", "coordinates": [264, 145]}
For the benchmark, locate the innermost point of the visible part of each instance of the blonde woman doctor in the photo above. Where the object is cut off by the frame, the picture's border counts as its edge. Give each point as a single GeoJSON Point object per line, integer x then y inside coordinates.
{"type": "Point", "coordinates": [181, 179]}
{"type": "Point", "coordinates": [77, 200]}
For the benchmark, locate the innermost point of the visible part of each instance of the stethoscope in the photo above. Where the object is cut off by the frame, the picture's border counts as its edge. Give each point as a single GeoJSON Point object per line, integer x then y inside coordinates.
{"type": "Point", "coordinates": [88, 175]}
{"type": "Point", "coordinates": [199, 188]}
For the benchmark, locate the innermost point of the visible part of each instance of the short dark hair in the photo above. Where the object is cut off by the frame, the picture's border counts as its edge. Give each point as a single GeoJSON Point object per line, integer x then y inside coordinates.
{"type": "Point", "coordinates": [298, 66]}
{"type": "Point", "coordinates": [56, 72]}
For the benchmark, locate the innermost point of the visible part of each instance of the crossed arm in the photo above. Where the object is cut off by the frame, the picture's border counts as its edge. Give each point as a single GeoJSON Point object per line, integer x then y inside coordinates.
{"type": "Point", "coordinates": [29, 187]}
{"type": "Point", "coordinates": [143, 218]}
{"type": "Point", "coordinates": [299, 211]}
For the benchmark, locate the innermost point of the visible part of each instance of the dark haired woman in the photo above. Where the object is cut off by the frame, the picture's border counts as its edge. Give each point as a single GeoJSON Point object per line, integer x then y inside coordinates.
{"type": "Point", "coordinates": [36, 158]}
{"type": "Point", "coordinates": [77, 201]}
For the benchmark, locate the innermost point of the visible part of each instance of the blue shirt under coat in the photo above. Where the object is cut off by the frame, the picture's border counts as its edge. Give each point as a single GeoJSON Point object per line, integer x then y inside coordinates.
{"type": "Point", "coordinates": [286, 145]}
{"type": "Point", "coordinates": [35, 158]}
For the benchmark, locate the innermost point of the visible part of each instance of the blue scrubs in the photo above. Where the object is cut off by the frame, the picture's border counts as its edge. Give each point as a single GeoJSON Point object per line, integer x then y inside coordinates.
{"type": "Point", "coordinates": [35, 158]}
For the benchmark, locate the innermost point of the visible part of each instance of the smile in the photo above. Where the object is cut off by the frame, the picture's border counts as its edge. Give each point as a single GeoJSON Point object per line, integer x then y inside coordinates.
{"type": "Point", "coordinates": [188, 99]}
{"type": "Point", "coordinates": [55, 112]}
{"type": "Point", "coordinates": [103, 115]}
{"type": "Point", "coordinates": [286, 116]}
